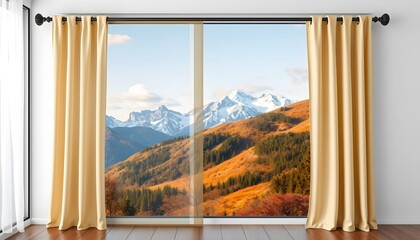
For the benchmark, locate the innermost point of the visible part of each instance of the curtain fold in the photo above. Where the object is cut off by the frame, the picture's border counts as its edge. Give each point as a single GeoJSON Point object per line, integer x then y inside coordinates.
{"type": "Point", "coordinates": [340, 82]}
{"type": "Point", "coordinates": [80, 56]}
{"type": "Point", "coordinates": [12, 135]}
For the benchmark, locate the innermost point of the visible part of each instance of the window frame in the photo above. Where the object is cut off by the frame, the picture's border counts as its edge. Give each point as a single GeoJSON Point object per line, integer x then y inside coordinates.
{"type": "Point", "coordinates": [207, 220]}
{"type": "Point", "coordinates": [27, 108]}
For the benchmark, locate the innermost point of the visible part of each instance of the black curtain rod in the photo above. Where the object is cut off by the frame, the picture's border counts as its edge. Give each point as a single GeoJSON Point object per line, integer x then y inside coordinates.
{"type": "Point", "coordinates": [384, 19]}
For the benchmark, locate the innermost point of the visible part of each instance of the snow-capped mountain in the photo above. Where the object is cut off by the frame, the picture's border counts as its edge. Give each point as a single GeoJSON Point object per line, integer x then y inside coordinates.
{"type": "Point", "coordinates": [162, 119]}
{"type": "Point", "coordinates": [112, 122]}
{"type": "Point", "coordinates": [233, 107]}
{"type": "Point", "coordinates": [239, 105]}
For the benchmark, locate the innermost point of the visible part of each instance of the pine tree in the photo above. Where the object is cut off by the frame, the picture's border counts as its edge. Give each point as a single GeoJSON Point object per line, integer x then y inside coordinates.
{"type": "Point", "coordinates": [129, 210]}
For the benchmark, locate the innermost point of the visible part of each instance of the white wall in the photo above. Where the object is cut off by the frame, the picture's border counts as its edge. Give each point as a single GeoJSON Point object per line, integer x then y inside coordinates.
{"type": "Point", "coordinates": [396, 92]}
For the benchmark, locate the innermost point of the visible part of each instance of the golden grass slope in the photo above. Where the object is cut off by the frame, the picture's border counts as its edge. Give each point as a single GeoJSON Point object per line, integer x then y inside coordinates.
{"type": "Point", "coordinates": [236, 200]}
{"type": "Point", "coordinates": [239, 164]}
{"type": "Point", "coordinates": [236, 166]}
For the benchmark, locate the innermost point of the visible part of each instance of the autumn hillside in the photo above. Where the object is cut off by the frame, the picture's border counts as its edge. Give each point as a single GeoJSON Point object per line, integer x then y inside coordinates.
{"type": "Point", "coordinates": [248, 162]}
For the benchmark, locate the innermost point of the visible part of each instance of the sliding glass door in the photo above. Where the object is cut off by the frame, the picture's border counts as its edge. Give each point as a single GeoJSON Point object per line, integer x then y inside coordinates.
{"type": "Point", "coordinates": [227, 131]}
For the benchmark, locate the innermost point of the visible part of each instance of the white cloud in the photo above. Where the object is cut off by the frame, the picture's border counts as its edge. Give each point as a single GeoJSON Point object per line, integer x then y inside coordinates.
{"type": "Point", "coordinates": [137, 98]}
{"type": "Point", "coordinates": [299, 75]}
{"type": "Point", "coordinates": [117, 39]}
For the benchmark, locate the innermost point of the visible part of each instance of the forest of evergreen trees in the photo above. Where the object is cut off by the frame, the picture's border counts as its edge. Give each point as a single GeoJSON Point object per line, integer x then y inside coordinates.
{"type": "Point", "coordinates": [139, 201]}
{"type": "Point", "coordinates": [137, 172]}
{"type": "Point", "coordinates": [165, 142]}
{"type": "Point", "coordinates": [230, 145]}
{"type": "Point", "coordinates": [213, 139]}
{"type": "Point", "coordinates": [266, 122]}
{"type": "Point", "coordinates": [234, 184]}
{"type": "Point", "coordinates": [289, 155]}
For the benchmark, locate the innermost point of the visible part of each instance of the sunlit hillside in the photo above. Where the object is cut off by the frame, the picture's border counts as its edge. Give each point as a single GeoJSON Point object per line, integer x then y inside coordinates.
{"type": "Point", "coordinates": [261, 161]}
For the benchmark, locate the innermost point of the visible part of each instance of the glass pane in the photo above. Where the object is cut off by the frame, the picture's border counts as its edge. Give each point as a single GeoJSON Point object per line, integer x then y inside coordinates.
{"type": "Point", "coordinates": [149, 117]}
{"type": "Point", "coordinates": [255, 147]}
{"type": "Point", "coordinates": [256, 110]}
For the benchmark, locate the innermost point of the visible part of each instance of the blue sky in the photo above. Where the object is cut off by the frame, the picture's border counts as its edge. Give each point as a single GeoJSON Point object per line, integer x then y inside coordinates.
{"type": "Point", "coordinates": [149, 64]}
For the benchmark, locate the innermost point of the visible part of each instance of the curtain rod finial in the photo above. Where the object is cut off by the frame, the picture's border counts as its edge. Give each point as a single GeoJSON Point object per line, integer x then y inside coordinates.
{"type": "Point", "coordinates": [39, 19]}
{"type": "Point", "coordinates": [384, 19]}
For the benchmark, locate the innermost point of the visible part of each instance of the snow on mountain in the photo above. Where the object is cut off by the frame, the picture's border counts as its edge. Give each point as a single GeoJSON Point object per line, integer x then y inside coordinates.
{"type": "Point", "coordinates": [162, 119]}
{"type": "Point", "coordinates": [239, 105]}
{"type": "Point", "coordinates": [112, 122]}
{"type": "Point", "coordinates": [233, 107]}
{"type": "Point", "coordinates": [269, 102]}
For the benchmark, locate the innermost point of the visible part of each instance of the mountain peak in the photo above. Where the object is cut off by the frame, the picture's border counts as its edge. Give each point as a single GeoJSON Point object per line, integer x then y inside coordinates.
{"type": "Point", "coordinates": [266, 94]}
{"type": "Point", "coordinates": [238, 94]}
{"type": "Point", "coordinates": [163, 108]}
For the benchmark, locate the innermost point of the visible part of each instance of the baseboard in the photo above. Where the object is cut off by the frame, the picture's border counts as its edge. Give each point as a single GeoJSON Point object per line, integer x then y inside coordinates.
{"type": "Point", "coordinates": [206, 221]}
{"type": "Point", "coordinates": [398, 220]}
{"type": "Point", "coordinates": [251, 221]}
{"type": "Point", "coordinates": [242, 221]}
{"type": "Point", "coordinates": [40, 221]}
{"type": "Point", "coordinates": [254, 221]}
{"type": "Point", "coordinates": [3, 236]}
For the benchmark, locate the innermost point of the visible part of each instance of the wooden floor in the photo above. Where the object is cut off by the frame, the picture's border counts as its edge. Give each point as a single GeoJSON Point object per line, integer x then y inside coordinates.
{"type": "Point", "coordinates": [217, 232]}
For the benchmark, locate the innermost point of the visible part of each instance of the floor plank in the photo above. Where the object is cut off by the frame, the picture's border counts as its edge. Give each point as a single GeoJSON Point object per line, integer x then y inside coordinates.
{"type": "Point", "coordinates": [277, 232]}
{"type": "Point", "coordinates": [49, 233]}
{"type": "Point", "coordinates": [255, 232]}
{"type": "Point", "coordinates": [233, 232]}
{"type": "Point", "coordinates": [372, 235]}
{"type": "Point", "coordinates": [164, 233]}
{"type": "Point", "coordinates": [71, 234]}
{"type": "Point", "coordinates": [189, 233]}
{"type": "Point", "coordinates": [142, 233]}
{"type": "Point", "coordinates": [95, 234]}
{"type": "Point", "coordinates": [29, 233]}
{"type": "Point", "coordinates": [320, 234]}
{"type": "Point", "coordinates": [393, 232]}
{"type": "Point", "coordinates": [409, 231]}
{"type": "Point", "coordinates": [119, 232]}
{"type": "Point", "coordinates": [298, 232]}
{"type": "Point", "coordinates": [212, 232]}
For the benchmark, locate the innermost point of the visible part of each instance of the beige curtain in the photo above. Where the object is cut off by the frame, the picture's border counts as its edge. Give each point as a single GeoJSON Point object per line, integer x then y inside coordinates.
{"type": "Point", "coordinates": [80, 56]}
{"type": "Point", "coordinates": [340, 81]}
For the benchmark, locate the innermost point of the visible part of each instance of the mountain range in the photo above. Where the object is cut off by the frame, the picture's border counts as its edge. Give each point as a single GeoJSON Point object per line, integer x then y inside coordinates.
{"type": "Point", "coordinates": [122, 142]}
{"type": "Point", "coordinates": [236, 106]}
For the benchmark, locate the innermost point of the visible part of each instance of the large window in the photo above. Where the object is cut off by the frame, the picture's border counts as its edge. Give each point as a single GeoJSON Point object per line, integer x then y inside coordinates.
{"type": "Point", "coordinates": [256, 120]}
